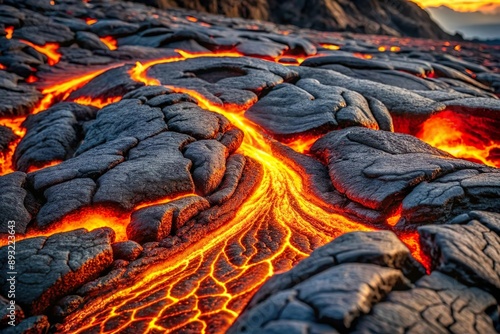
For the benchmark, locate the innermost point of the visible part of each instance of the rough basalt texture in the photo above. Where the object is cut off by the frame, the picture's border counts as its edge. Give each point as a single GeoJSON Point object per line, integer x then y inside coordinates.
{"type": "Point", "coordinates": [379, 170]}
{"type": "Point", "coordinates": [223, 150]}
{"type": "Point", "coordinates": [396, 18]}
{"type": "Point", "coordinates": [49, 268]}
{"type": "Point", "coordinates": [336, 290]}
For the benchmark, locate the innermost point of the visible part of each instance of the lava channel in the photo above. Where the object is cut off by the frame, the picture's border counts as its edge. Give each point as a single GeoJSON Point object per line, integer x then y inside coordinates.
{"type": "Point", "coordinates": [205, 287]}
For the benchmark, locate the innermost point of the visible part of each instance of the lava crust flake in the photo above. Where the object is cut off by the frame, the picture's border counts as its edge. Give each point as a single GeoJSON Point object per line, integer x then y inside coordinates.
{"type": "Point", "coordinates": [171, 171]}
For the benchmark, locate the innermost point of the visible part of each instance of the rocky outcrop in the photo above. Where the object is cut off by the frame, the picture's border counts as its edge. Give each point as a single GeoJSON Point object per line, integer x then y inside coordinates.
{"type": "Point", "coordinates": [396, 18]}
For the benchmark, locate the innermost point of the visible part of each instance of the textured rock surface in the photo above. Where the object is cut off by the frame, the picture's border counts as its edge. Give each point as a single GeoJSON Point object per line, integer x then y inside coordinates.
{"type": "Point", "coordinates": [396, 18]}
{"type": "Point", "coordinates": [50, 268]}
{"type": "Point", "coordinates": [328, 291]}
{"type": "Point", "coordinates": [378, 169]}
{"type": "Point", "coordinates": [213, 182]}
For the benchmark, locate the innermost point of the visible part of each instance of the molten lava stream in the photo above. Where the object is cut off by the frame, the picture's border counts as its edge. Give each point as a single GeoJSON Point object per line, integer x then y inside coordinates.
{"type": "Point", "coordinates": [6, 164]}
{"type": "Point", "coordinates": [463, 136]}
{"type": "Point", "coordinates": [206, 286]}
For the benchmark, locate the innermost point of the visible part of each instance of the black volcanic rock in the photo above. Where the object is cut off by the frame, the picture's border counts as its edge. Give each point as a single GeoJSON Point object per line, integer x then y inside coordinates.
{"type": "Point", "coordinates": [468, 252]}
{"type": "Point", "coordinates": [396, 17]}
{"type": "Point", "coordinates": [12, 196]}
{"type": "Point", "coordinates": [49, 268]}
{"type": "Point", "coordinates": [378, 169]}
{"type": "Point", "coordinates": [335, 290]}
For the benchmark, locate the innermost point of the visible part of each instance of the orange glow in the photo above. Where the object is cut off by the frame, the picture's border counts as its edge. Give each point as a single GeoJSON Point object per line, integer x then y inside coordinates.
{"type": "Point", "coordinates": [191, 19]}
{"type": "Point", "coordinates": [486, 6]}
{"type": "Point", "coordinates": [32, 169]}
{"type": "Point", "coordinates": [98, 103]}
{"type": "Point", "coordinates": [110, 42]}
{"type": "Point", "coordinates": [90, 21]}
{"type": "Point", "coordinates": [6, 165]}
{"type": "Point", "coordinates": [279, 224]}
{"type": "Point", "coordinates": [88, 218]}
{"type": "Point", "coordinates": [31, 79]}
{"type": "Point", "coordinates": [457, 47]}
{"type": "Point", "coordinates": [393, 220]}
{"type": "Point", "coordinates": [382, 49]}
{"type": "Point", "coordinates": [460, 136]}
{"type": "Point", "coordinates": [412, 241]}
{"type": "Point", "coordinates": [330, 46]}
{"type": "Point", "coordinates": [139, 71]}
{"type": "Point", "coordinates": [279, 203]}
{"type": "Point", "coordinates": [49, 49]}
{"type": "Point", "coordinates": [9, 31]}
{"type": "Point", "coordinates": [395, 49]}
{"type": "Point", "coordinates": [162, 201]}
{"type": "Point", "coordinates": [61, 91]}
{"type": "Point", "coordinates": [2, 67]}
{"type": "Point", "coordinates": [303, 143]}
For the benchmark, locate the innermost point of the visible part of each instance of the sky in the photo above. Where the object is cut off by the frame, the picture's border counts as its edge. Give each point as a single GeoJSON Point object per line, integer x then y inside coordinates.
{"type": "Point", "coordinates": [488, 6]}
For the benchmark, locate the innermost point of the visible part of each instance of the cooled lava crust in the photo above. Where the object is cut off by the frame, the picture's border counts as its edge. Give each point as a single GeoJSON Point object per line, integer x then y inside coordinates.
{"type": "Point", "coordinates": [171, 171]}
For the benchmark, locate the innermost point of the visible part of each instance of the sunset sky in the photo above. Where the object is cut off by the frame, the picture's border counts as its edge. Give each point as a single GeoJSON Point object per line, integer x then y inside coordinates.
{"type": "Point", "coordinates": [491, 6]}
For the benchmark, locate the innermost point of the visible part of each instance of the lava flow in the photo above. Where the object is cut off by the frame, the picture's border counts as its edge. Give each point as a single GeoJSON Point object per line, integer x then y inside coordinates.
{"type": "Point", "coordinates": [50, 50]}
{"type": "Point", "coordinates": [466, 137]}
{"type": "Point", "coordinates": [204, 288]}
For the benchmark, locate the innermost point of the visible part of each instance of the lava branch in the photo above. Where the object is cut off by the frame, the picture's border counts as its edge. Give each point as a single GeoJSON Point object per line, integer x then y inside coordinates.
{"type": "Point", "coordinates": [279, 208]}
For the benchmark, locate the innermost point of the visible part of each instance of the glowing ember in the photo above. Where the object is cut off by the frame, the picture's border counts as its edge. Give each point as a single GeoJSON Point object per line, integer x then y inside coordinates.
{"type": "Point", "coordinates": [49, 164]}
{"type": "Point", "coordinates": [162, 201]}
{"type": "Point", "coordinates": [191, 19]}
{"type": "Point", "coordinates": [2, 67]}
{"type": "Point", "coordinates": [110, 42]}
{"type": "Point", "coordinates": [6, 164]}
{"type": "Point", "coordinates": [49, 49]}
{"type": "Point", "coordinates": [9, 31]}
{"type": "Point", "coordinates": [330, 46]}
{"type": "Point", "coordinates": [90, 21]}
{"type": "Point", "coordinates": [88, 218]}
{"type": "Point", "coordinates": [98, 103]}
{"type": "Point", "coordinates": [31, 79]}
{"type": "Point", "coordinates": [412, 241]}
{"type": "Point", "coordinates": [461, 136]}
{"type": "Point", "coordinates": [302, 144]}
{"type": "Point", "coordinates": [61, 91]}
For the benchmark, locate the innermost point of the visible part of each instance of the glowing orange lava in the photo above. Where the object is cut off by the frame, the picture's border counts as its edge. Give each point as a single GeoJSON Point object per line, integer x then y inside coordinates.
{"type": "Point", "coordinates": [9, 31]}
{"type": "Point", "coordinates": [32, 169]}
{"type": "Point", "coordinates": [110, 42]}
{"type": "Point", "coordinates": [330, 46]}
{"type": "Point", "coordinates": [204, 287]}
{"type": "Point", "coordinates": [98, 102]}
{"type": "Point", "coordinates": [90, 21]}
{"type": "Point", "coordinates": [61, 91]}
{"type": "Point", "coordinates": [88, 218]}
{"type": "Point", "coordinates": [278, 225]}
{"type": "Point", "coordinates": [303, 143]}
{"type": "Point", "coordinates": [191, 19]}
{"type": "Point", "coordinates": [412, 241]}
{"type": "Point", "coordinates": [6, 164]}
{"type": "Point", "coordinates": [31, 79]}
{"type": "Point", "coordinates": [50, 50]}
{"type": "Point", "coordinates": [462, 136]}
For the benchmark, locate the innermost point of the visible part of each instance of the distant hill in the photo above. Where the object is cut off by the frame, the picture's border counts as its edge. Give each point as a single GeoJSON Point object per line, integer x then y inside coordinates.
{"type": "Point", "coordinates": [471, 25]}
{"type": "Point", "coordinates": [388, 17]}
